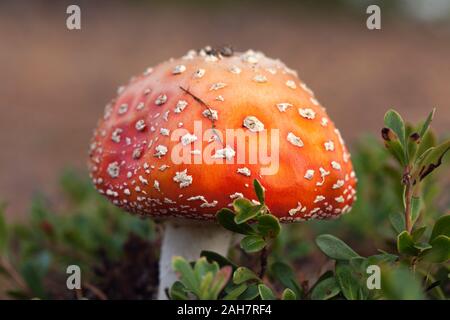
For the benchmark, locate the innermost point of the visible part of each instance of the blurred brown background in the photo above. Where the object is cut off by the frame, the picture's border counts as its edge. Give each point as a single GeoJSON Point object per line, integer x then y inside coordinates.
{"type": "Point", "coordinates": [55, 82]}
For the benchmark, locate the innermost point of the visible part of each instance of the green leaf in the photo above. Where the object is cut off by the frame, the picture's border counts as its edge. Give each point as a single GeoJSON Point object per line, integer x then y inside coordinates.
{"type": "Point", "coordinates": [241, 205]}
{"type": "Point", "coordinates": [400, 284]}
{"type": "Point", "coordinates": [204, 288]}
{"type": "Point", "coordinates": [335, 248]}
{"type": "Point", "coordinates": [177, 291]}
{"type": "Point", "coordinates": [441, 227]}
{"type": "Point", "coordinates": [250, 293]}
{"type": "Point", "coordinates": [405, 244]}
{"type": "Point", "coordinates": [205, 292]}
{"type": "Point", "coordinates": [440, 251]}
{"type": "Point", "coordinates": [286, 276]}
{"type": "Point", "coordinates": [413, 146]}
{"type": "Point", "coordinates": [259, 190]}
{"type": "Point", "coordinates": [243, 274]}
{"type": "Point", "coordinates": [202, 267]}
{"type": "Point", "coordinates": [418, 233]}
{"type": "Point", "coordinates": [395, 149]}
{"type": "Point", "coordinates": [225, 218]}
{"type": "Point", "coordinates": [236, 292]}
{"type": "Point", "coordinates": [422, 246]}
{"type": "Point", "coordinates": [219, 282]}
{"type": "Point", "coordinates": [348, 282]}
{"type": "Point", "coordinates": [325, 275]}
{"type": "Point", "coordinates": [288, 294]}
{"type": "Point", "coordinates": [186, 274]}
{"type": "Point", "coordinates": [427, 141]}
{"type": "Point", "coordinates": [268, 226]}
{"type": "Point", "coordinates": [265, 292]}
{"type": "Point", "coordinates": [325, 289]}
{"type": "Point", "coordinates": [212, 279]}
{"type": "Point", "coordinates": [397, 221]}
{"type": "Point", "coordinates": [359, 271]}
{"type": "Point", "coordinates": [394, 121]}
{"type": "Point", "coordinates": [382, 258]}
{"type": "Point", "coordinates": [252, 243]}
{"type": "Point", "coordinates": [221, 260]}
{"type": "Point", "coordinates": [244, 216]}
{"type": "Point", "coordinates": [430, 160]}
{"type": "Point", "coordinates": [427, 123]}
{"type": "Point", "coordinates": [398, 148]}
{"type": "Point", "coordinates": [359, 264]}
{"type": "Point", "coordinates": [416, 206]}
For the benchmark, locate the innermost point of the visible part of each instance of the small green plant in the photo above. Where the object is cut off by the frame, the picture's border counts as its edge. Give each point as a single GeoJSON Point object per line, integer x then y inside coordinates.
{"type": "Point", "coordinates": [414, 149]}
{"type": "Point", "coordinates": [90, 233]}
{"type": "Point", "coordinates": [204, 280]}
{"type": "Point", "coordinates": [415, 269]}
{"type": "Point", "coordinates": [254, 221]}
{"type": "Point", "coordinates": [259, 228]}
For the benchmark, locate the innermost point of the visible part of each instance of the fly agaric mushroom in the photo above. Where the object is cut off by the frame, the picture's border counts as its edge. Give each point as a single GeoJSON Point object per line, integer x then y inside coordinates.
{"type": "Point", "coordinates": [134, 158]}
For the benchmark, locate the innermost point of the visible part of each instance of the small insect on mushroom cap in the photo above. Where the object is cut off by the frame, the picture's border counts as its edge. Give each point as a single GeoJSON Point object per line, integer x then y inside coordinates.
{"type": "Point", "coordinates": [161, 149]}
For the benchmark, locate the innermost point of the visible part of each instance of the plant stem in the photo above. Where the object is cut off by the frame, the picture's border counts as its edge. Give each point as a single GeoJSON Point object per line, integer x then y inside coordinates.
{"type": "Point", "coordinates": [96, 291]}
{"type": "Point", "coordinates": [408, 197]}
{"type": "Point", "coordinates": [263, 262]}
{"type": "Point", "coordinates": [15, 276]}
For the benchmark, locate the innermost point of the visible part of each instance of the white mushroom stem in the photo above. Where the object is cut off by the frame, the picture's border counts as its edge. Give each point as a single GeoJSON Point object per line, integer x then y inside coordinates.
{"type": "Point", "coordinates": [187, 239]}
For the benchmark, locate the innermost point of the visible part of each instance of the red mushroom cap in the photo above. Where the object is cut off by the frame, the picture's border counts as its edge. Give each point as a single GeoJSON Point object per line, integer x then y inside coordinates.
{"type": "Point", "coordinates": [134, 156]}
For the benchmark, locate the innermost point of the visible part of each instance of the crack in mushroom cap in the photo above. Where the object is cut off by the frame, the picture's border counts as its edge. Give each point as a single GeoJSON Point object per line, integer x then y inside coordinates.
{"type": "Point", "coordinates": [130, 155]}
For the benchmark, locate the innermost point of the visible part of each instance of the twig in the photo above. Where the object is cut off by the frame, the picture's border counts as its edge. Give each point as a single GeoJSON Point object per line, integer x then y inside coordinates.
{"type": "Point", "coordinates": [263, 262]}
{"type": "Point", "coordinates": [15, 276]}
{"type": "Point", "coordinates": [79, 294]}
{"type": "Point", "coordinates": [408, 197]}
{"type": "Point", "coordinates": [96, 291]}
{"type": "Point", "coordinates": [205, 105]}
{"type": "Point", "coordinates": [198, 99]}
